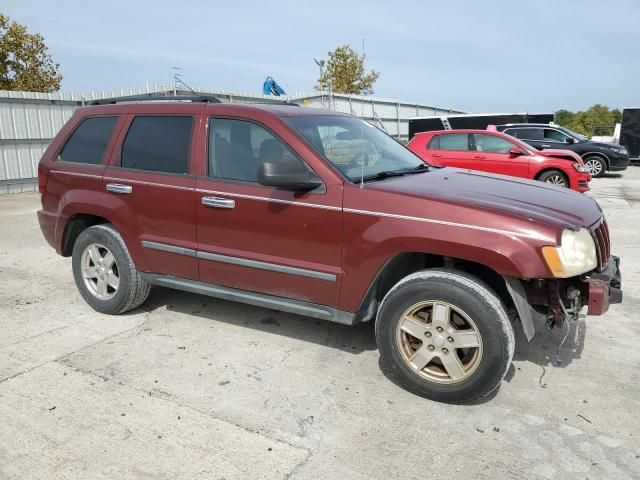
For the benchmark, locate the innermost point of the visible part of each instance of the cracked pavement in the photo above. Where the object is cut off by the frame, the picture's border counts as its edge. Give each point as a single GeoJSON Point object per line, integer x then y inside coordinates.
{"type": "Point", "coordinates": [193, 387]}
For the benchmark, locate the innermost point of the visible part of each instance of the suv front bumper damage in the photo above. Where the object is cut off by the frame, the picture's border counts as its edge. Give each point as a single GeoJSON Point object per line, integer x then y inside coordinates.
{"type": "Point", "coordinates": [605, 287]}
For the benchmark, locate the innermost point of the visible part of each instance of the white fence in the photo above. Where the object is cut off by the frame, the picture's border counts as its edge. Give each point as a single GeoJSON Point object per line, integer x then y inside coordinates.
{"type": "Point", "coordinates": [28, 120]}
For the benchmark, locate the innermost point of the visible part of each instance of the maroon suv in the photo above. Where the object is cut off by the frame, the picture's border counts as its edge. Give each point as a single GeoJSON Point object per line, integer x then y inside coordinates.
{"type": "Point", "coordinates": [323, 215]}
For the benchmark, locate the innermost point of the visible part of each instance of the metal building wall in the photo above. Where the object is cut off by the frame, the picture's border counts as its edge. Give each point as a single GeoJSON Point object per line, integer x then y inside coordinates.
{"type": "Point", "coordinates": [28, 121]}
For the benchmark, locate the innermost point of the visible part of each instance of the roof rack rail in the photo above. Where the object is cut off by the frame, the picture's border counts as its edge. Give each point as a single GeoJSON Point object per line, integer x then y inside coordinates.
{"type": "Point", "coordinates": [158, 98]}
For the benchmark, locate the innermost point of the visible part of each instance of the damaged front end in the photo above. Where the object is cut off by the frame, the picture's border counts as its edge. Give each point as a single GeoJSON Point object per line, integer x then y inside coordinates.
{"type": "Point", "coordinates": [560, 300]}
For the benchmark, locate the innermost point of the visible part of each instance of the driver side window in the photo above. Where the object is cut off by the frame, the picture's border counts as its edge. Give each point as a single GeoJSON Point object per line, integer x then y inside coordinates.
{"type": "Point", "coordinates": [237, 148]}
{"type": "Point", "coordinates": [554, 136]}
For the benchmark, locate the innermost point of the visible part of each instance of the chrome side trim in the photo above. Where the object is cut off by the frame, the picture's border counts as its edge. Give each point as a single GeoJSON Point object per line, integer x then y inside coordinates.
{"type": "Point", "coordinates": [243, 262]}
{"type": "Point", "coordinates": [442, 222]}
{"type": "Point", "coordinates": [163, 247]}
{"type": "Point", "coordinates": [267, 199]}
{"type": "Point", "coordinates": [77, 174]}
{"type": "Point", "coordinates": [252, 298]}
{"type": "Point", "coordinates": [272, 267]}
{"type": "Point", "coordinates": [151, 184]}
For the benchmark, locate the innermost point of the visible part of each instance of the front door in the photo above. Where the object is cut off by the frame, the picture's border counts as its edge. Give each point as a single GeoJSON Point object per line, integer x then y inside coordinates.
{"type": "Point", "coordinates": [261, 239]}
{"type": "Point", "coordinates": [492, 155]}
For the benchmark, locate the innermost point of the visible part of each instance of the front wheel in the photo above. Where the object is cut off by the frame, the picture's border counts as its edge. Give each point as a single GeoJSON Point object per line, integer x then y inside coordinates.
{"type": "Point", "coordinates": [555, 177]}
{"type": "Point", "coordinates": [444, 335]}
{"type": "Point", "coordinates": [596, 165]}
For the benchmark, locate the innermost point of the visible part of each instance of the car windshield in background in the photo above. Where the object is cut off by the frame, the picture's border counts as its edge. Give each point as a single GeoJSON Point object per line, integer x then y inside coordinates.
{"type": "Point", "coordinates": [356, 147]}
{"type": "Point", "coordinates": [573, 134]}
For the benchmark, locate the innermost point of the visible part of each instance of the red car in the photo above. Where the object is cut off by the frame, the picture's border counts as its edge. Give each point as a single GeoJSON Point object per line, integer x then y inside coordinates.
{"type": "Point", "coordinates": [497, 152]}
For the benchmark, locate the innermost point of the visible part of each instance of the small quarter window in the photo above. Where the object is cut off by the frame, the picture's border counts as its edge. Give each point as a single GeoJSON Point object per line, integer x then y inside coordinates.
{"type": "Point", "coordinates": [88, 142]}
{"type": "Point", "coordinates": [159, 144]}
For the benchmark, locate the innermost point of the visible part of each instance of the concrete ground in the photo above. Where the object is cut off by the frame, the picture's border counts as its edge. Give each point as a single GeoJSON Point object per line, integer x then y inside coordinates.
{"type": "Point", "coordinates": [192, 387]}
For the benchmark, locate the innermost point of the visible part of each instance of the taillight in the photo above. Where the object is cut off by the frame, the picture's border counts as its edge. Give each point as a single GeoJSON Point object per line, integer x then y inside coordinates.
{"type": "Point", "coordinates": [43, 177]}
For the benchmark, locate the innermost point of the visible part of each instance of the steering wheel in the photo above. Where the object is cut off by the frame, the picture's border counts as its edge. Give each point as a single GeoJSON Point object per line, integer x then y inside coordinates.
{"type": "Point", "coordinates": [361, 157]}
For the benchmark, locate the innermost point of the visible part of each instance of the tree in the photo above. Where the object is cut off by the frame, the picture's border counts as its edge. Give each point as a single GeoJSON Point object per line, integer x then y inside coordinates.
{"type": "Point", "coordinates": [25, 63]}
{"type": "Point", "coordinates": [596, 120]}
{"type": "Point", "coordinates": [345, 73]}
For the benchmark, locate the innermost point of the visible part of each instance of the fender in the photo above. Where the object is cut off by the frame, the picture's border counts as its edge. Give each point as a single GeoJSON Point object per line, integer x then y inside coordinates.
{"type": "Point", "coordinates": [364, 258]}
{"type": "Point", "coordinates": [109, 207]}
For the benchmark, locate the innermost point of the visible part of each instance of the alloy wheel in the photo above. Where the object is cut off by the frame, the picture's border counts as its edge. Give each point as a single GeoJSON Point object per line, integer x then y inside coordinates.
{"type": "Point", "coordinates": [100, 271]}
{"type": "Point", "coordinates": [594, 166]}
{"type": "Point", "coordinates": [557, 180]}
{"type": "Point", "coordinates": [439, 342]}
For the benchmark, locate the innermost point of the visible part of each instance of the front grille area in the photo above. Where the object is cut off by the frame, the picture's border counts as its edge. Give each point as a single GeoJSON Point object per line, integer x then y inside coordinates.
{"type": "Point", "coordinates": [600, 233]}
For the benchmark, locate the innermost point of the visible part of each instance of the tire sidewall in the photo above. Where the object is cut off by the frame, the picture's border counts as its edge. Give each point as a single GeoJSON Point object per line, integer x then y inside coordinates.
{"type": "Point", "coordinates": [497, 350]}
{"type": "Point", "coordinates": [105, 236]}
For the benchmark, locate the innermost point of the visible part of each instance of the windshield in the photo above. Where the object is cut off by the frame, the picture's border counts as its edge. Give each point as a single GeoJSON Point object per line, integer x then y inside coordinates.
{"type": "Point", "coordinates": [573, 134]}
{"type": "Point", "coordinates": [355, 147]}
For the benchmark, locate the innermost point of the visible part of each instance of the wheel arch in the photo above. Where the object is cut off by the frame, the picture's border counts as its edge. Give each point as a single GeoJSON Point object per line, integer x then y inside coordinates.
{"type": "Point", "coordinates": [403, 264]}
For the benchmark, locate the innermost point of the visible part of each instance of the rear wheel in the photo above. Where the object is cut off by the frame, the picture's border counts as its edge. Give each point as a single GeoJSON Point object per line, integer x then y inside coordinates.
{"type": "Point", "coordinates": [104, 271]}
{"type": "Point", "coordinates": [444, 335]}
{"type": "Point", "coordinates": [596, 165]}
{"type": "Point", "coordinates": [555, 177]}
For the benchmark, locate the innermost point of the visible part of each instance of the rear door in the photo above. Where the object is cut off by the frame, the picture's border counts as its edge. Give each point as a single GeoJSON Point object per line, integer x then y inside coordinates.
{"type": "Point", "coordinates": [262, 239]}
{"type": "Point", "coordinates": [152, 194]}
{"type": "Point", "coordinates": [491, 153]}
{"type": "Point", "coordinates": [534, 136]}
{"type": "Point", "coordinates": [451, 150]}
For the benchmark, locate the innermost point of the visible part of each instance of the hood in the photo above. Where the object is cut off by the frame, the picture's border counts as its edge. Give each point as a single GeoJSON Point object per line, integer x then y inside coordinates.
{"type": "Point", "coordinates": [528, 199]}
{"type": "Point", "coordinates": [557, 153]}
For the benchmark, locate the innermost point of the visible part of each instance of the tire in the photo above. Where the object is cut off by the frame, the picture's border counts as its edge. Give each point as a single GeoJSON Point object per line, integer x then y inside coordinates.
{"type": "Point", "coordinates": [108, 284]}
{"type": "Point", "coordinates": [597, 165]}
{"type": "Point", "coordinates": [554, 177]}
{"type": "Point", "coordinates": [472, 301]}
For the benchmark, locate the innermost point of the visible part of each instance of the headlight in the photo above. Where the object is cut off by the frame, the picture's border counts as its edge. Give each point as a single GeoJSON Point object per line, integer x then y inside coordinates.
{"type": "Point", "coordinates": [581, 167]}
{"type": "Point", "coordinates": [575, 255]}
{"type": "Point", "coordinates": [619, 149]}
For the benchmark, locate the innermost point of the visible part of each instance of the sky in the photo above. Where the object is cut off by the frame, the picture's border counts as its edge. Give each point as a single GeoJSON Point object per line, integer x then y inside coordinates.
{"type": "Point", "coordinates": [478, 56]}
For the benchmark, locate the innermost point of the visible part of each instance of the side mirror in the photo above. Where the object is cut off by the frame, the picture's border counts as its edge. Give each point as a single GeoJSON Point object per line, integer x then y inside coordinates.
{"type": "Point", "coordinates": [288, 175]}
{"type": "Point", "coordinates": [515, 152]}
{"type": "Point", "coordinates": [571, 140]}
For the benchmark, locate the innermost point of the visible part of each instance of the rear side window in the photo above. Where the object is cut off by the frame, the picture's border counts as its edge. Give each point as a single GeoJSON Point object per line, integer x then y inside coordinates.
{"type": "Point", "coordinates": [528, 133]}
{"type": "Point", "coordinates": [159, 144]}
{"type": "Point", "coordinates": [452, 141]}
{"type": "Point", "coordinates": [88, 142]}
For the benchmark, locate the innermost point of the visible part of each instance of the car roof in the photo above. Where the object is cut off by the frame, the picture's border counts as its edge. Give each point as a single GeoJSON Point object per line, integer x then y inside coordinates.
{"type": "Point", "coordinates": [527, 125]}
{"type": "Point", "coordinates": [181, 107]}
{"type": "Point", "coordinates": [458, 130]}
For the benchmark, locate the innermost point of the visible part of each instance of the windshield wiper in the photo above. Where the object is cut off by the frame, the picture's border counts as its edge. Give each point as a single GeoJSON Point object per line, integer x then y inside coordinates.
{"type": "Point", "coordinates": [423, 167]}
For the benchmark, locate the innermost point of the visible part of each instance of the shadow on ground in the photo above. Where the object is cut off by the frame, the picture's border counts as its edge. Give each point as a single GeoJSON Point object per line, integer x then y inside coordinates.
{"type": "Point", "coordinates": [542, 350]}
{"type": "Point", "coordinates": [352, 339]}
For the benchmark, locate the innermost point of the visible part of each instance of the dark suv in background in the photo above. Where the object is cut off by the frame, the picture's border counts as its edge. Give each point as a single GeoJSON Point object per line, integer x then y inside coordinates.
{"type": "Point", "coordinates": [599, 157]}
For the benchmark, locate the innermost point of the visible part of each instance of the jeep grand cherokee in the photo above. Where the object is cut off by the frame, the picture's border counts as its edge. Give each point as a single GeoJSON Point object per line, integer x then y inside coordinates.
{"type": "Point", "coordinates": [323, 215]}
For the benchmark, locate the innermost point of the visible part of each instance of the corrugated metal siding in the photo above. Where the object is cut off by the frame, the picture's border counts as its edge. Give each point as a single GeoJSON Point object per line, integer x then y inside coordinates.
{"type": "Point", "coordinates": [29, 120]}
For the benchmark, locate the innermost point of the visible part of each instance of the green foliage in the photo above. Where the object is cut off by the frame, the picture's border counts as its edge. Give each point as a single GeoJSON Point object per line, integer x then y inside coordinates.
{"type": "Point", "coordinates": [25, 63]}
{"type": "Point", "coordinates": [596, 120]}
{"type": "Point", "coordinates": [345, 73]}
